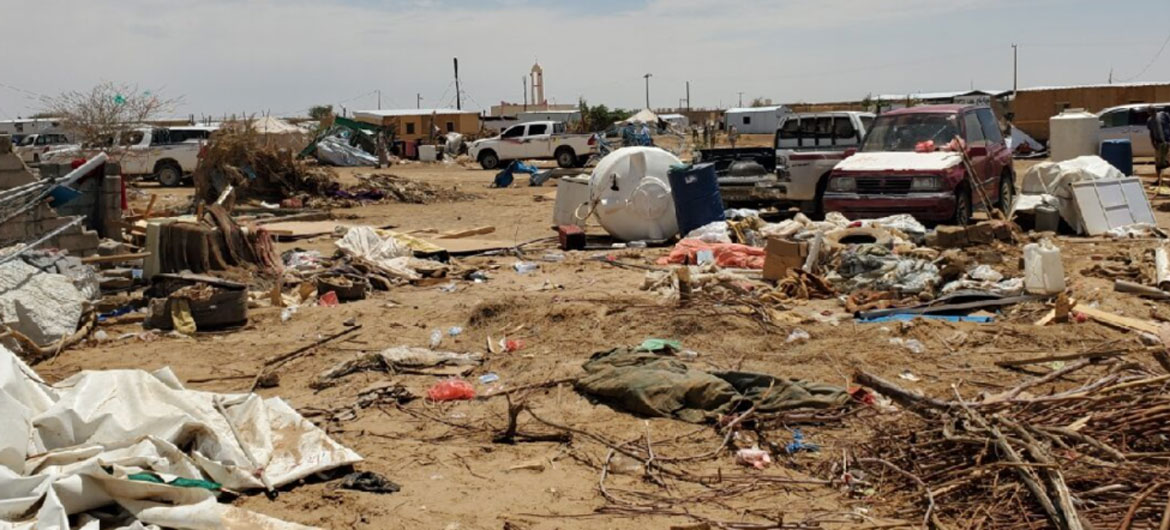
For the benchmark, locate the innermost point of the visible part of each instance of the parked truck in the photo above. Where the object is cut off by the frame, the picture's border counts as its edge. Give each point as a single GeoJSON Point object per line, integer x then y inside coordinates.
{"type": "Point", "coordinates": [795, 170]}
{"type": "Point", "coordinates": [539, 140]}
{"type": "Point", "coordinates": [158, 153]}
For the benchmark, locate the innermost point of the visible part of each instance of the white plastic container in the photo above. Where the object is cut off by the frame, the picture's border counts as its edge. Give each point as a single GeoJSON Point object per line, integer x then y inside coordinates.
{"type": "Point", "coordinates": [428, 153]}
{"type": "Point", "coordinates": [1043, 269]}
{"type": "Point", "coordinates": [572, 201]}
{"type": "Point", "coordinates": [633, 194]}
{"type": "Point", "coordinates": [1073, 133]}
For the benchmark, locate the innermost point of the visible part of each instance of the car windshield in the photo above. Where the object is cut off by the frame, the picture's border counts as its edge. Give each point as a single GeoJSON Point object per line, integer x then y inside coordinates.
{"type": "Point", "coordinates": [903, 131]}
{"type": "Point", "coordinates": [27, 140]}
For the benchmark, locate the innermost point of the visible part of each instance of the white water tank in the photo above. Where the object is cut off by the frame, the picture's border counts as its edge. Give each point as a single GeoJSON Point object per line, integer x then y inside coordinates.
{"type": "Point", "coordinates": [1073, 133]}
{"type": "Point", "coordinates": [632, 194]}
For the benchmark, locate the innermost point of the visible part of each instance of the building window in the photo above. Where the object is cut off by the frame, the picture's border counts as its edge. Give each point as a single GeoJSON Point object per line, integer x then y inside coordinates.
{"type": "Point", "coordinates": [410, 128]}
{"type": "Point", "coordinates": [747, 120]}
{"type": "Point", "coordinates": [450, 126]}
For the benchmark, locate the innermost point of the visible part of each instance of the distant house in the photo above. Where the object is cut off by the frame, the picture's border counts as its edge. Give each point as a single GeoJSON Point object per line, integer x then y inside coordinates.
{"type": "Point", "coordinates": [1032, 107]}
{"type": "Point", "coordinates": [755, 120]}
{"type": "Point", "coordinates": [886, 102]}
{"type": "Point", "coordinates": [416, 124]}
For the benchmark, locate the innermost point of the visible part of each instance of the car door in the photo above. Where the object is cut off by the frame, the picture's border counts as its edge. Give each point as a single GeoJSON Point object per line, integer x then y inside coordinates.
{"type": "Point", "coordinates": [132, 152]}
{"type": "Point", "coordinates": [999, 156]}
{"type": "Point", "coordinates": [536, 141]}
{"type": "Point", "coordinates": [509, 144]}
{"type": "Point", "coordinates": [978, 152]}
{"type": "Point", "coordinates": [1138, 133]}
{"type": "Point", "coordinates": [1114, 125]}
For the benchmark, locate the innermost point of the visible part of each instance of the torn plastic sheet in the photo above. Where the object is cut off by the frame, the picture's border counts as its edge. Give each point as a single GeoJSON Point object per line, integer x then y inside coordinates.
{"type": "Point", "coordinates": [72, 447]}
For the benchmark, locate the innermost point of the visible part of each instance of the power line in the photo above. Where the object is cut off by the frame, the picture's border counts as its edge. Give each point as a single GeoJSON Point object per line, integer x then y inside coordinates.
{"type": "Point", "coordinates": [1151, 63]}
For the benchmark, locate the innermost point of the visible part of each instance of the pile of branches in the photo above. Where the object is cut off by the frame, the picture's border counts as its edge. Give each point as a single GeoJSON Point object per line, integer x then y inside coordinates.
{"type": "Point", "coordinates": [384, 187]}
{"type": "Point", "coordinates": [1097, 456]}
{"type": "Point", "coordinates": [240, 155]}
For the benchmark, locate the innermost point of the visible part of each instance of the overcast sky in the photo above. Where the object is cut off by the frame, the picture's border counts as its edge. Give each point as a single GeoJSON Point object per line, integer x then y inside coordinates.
{"type": "Point", "coordinates": [225, 56]}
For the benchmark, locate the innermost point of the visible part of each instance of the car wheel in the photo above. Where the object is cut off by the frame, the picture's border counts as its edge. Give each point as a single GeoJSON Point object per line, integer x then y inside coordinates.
{"type": "Point", "coordinates": [566, 158]}
{"type": "Point", "coordinates": [170, 175]}
{"type": "Point", "coordinates": [1007, 192]}
{"type": "Point", "coordinates": [962, 207]}
{"type": "Point", "coordinates": [489, 160]}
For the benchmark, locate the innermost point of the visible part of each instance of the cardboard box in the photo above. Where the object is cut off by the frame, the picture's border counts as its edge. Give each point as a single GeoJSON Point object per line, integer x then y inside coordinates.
{"type": "Point", "coordinates": [781, 255]}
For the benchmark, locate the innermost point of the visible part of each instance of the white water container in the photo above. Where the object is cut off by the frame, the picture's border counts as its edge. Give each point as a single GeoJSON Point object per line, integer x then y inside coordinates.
{"type": "Point", "coordinates": [632, 194]}
{"type": "Point", "coordinates": [572, 204]}
{"type": "Point", "coordinates": [1073, 133]}
{"type": "Point", "coordinates": [1043, 269]}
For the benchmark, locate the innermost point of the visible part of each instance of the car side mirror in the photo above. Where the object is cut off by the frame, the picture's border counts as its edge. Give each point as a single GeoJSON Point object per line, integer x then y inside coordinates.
{"type": "Point", "coordinates": [977, 150]}
{"type": "Point", "coordinates": [850, 152]}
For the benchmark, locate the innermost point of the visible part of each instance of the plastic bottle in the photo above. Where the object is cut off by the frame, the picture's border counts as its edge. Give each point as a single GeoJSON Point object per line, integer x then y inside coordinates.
{"type": "Point", "coordinates": [1043, 269]}
{"type": "Point", "coordinates": [524, 267]}
{"type": "Point", "coordinates": [436, 338]}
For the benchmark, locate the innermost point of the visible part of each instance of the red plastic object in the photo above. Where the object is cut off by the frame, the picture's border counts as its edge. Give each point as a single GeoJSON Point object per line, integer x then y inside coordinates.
{"type": "Point", "coordinates": [451, 390]}
{"type": "Point", "coordinates": [571, 237]}
{"type": "Point", "coordinates": [291, 202]}
{"type": "Point", "coordinates": [924, 147]}
{"type": "Point", "coordinates": [512, 345]}
{"type": "Point", "coordinates": [329, 299]}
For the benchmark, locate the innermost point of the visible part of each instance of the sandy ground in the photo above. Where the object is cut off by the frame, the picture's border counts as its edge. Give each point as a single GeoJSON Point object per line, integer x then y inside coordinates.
{"type": "Point", "coordinates": [454, 477]}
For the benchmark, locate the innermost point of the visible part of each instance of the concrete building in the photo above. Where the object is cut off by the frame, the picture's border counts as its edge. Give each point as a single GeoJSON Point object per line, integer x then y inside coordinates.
{"type": "Point", "coordinates": [1032, 107]}
{"type": "Point", "coordinates": [417, 124]}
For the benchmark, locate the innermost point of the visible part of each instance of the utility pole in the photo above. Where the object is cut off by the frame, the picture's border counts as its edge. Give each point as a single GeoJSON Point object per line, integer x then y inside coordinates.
{"type": "Point", "coordinates": [525, 81]}
{"type": "Point", "coordinates": [688, 96]}
{"type": "Point", "coordinates": [1015, 69]}
{"type": "Point", "coordinates": [741, 100]}
{"type": "Point", "coordinates": [379, 99]}
{"type": "Point", "coordinates": [417, 100]}
{"type": "Point", "coordinates": [458, 104]}
{"type": "Point", "coordinates": [647, 78]}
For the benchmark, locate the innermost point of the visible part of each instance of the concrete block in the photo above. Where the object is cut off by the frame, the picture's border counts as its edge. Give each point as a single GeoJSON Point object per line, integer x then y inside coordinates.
{"type": "Point", "coordinates": [980, 233]}
{"type": "Point", "coordinates": [113, 169]}
{"type": "Point", "coordinates": [951, 236]}
{"type": "Point", "coordinates": [11, 162]}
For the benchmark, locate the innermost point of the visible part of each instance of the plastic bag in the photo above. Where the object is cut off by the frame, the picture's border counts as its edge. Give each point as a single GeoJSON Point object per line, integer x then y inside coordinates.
{"type": "Point", "coordinates": [451, 390]}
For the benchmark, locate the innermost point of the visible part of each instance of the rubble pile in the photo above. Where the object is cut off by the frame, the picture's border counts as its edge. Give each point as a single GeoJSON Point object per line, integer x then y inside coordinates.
{"type": "Point", "coordinates": [385, 187]}
{"type": "Point", "coordinates": [240, 157]}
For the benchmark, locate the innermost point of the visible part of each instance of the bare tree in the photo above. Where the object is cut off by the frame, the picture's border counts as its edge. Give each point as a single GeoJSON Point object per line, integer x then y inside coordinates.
{"type": "Point", "coordinates": [98, 115]}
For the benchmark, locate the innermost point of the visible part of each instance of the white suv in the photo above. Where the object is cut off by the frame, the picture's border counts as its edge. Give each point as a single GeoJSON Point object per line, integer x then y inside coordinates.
{"type": "Point", "coordinates": [1128, 122]}
{"type": "Point", "coordinates": [31, 147]}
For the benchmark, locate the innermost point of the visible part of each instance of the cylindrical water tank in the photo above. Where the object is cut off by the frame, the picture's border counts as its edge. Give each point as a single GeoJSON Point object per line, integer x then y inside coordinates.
{"type": "Point", "coordinates": [1119, 154]}
{"type": "Point", "coordinates": [632, 194]}
{"type": "Point", "coordinates": [1073, 133]}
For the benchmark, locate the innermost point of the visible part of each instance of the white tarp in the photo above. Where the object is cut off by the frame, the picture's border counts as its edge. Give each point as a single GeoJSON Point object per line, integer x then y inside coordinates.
{"type": "Point", "coordinates": [643, 116]}
{"type": "Point", "coordinates": [43, 306]}
{"type": "Point", "coordinates": [1051, 183]}
{"type": "Point", "coordinates": [1023, 145]}
{"type": "Point", "coordinates": [336, 151]}
{"type": "Point", "coordinates": [388, 253]}
{"type": "Point", "coordinates": [900, 161]}
{"type": "Point", "coordinates": [69, 448]}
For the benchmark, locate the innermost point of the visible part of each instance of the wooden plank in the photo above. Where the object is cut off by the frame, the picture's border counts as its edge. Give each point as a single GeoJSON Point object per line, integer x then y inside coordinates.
{"type": "Point", "coordinates": [459, 234]}
{"type": "Point", "coordinates": [1105, 317]}
{"type": "Point", "coordinates": [115, 258]}
{"type": "Point", "coordinates": [1062, 306]}
{"type": "Point", "coordinates": [149, 206]}
{"type": "Point", "coordinates": [1064, 357]}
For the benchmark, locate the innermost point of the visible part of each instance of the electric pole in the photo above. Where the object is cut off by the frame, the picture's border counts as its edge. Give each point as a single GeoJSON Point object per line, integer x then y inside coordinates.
{"type": "Point", "coordinates": [647, 78]}
{"type": "Point", "coordinates": [688, 96]}
{"type": "Point", "coordinates": [379, 99]}
{"type": "Point", "coordinates": [417, 100]}
{"type": "Point", "coordinates": [1015, 70]}
{"type": "Point", "coordinates": [741, 100]}
{"type": "Point", "coordinates": [458, 104]}
{"type": "Point", "coordinates": [525, 81]}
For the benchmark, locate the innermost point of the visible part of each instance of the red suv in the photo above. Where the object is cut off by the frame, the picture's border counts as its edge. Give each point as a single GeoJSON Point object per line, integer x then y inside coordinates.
{"type": "Point", "coordinates": [904, 166]}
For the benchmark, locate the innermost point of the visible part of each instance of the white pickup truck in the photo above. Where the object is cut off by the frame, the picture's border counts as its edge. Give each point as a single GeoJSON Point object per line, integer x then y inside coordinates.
{"type": "Point", "coordinates": [809, 145]}
{"type": "Point", "coordinates": [159, 153]}
{"type": "Point", "coordinates": [537, 140]}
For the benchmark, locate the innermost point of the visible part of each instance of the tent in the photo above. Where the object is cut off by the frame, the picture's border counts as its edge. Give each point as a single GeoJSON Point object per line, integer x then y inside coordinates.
{"type": "Point", "coordinates": [643, 116]}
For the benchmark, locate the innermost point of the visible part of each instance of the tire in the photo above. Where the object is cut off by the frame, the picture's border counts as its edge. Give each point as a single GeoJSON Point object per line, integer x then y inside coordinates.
{"type": "Point", "coordinates": [962, 214]}
{"type": "Point", "coordinates": [489, 160]}
{"type": "Point", "coordinates": [169, 175]}
{"type": "Point", "coordinates": [818, 211]}
{"type": "Point", "coordinates": [1007, 192]}
{"type": "Point", "coordinates": [583, 161]}
{"type": "Point", "coordinates": [566, 158]}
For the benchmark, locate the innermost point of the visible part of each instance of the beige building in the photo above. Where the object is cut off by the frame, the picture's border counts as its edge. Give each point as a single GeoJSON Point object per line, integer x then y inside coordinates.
{"type": "Point", "coordinates": [417, 124]}
{"type": "Point", "coordinates": [1034, 106]}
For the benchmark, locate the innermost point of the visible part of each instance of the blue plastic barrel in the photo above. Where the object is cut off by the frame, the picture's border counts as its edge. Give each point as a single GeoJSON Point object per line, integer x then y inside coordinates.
{"type": "Point", "coordinates": [1119, 154]}
{"type": "Point", "coordinates": [696, 196]}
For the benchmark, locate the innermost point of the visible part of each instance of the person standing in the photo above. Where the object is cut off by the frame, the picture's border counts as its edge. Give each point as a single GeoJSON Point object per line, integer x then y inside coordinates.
{"type": "Point", "coordinates": [1159, 127]}
{"type": "Point", "coordinates": [732, 136]}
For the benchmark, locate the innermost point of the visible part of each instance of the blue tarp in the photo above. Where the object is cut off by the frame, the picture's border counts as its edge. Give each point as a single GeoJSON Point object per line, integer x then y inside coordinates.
{"type": "Point", "coordinates": [899, 317]}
